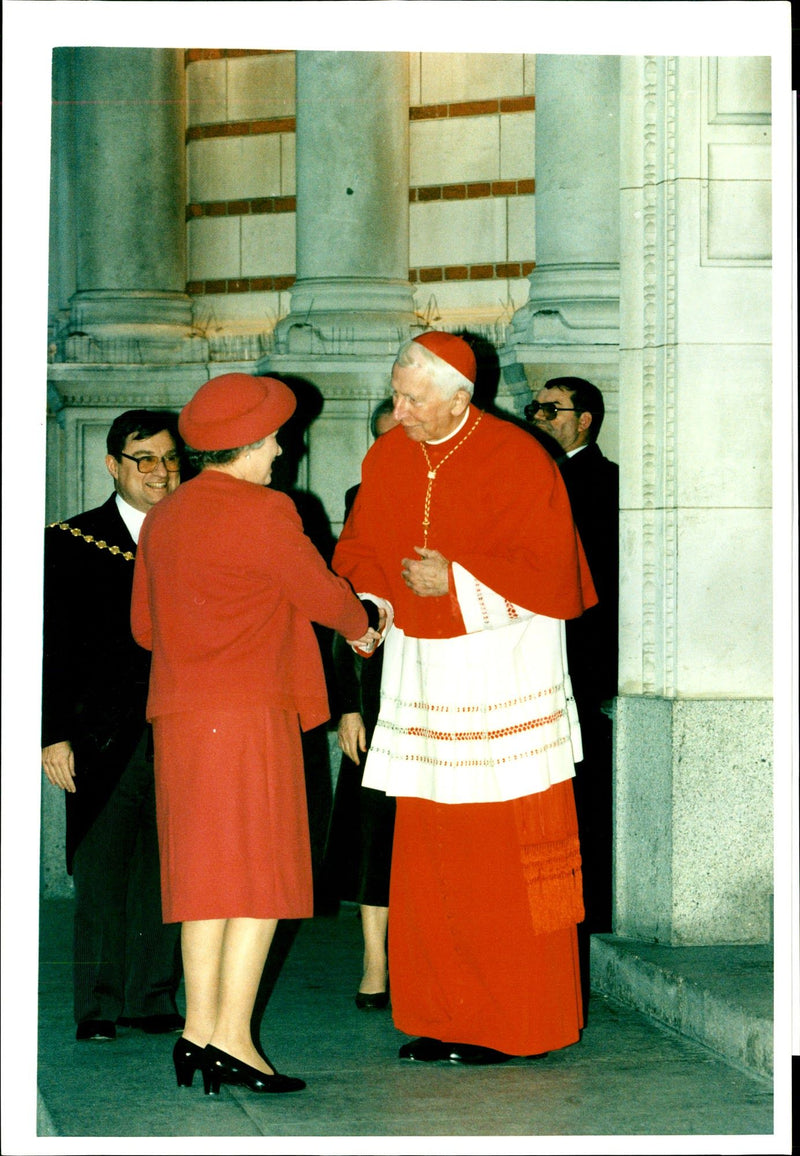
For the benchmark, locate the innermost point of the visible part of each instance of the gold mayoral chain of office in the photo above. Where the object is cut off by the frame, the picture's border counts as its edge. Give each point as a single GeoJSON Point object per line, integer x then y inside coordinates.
{"type": "Point", "coordinates": [128, 555]}
{"type": "Point", "coordinates": [426, 519]}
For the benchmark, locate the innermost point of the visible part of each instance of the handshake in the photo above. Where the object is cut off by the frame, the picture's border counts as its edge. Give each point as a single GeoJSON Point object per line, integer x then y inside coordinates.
{"type": "Point", "coordinates": [378, 618]}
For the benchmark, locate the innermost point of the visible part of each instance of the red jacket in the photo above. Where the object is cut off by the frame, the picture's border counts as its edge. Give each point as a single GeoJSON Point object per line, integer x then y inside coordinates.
{"type": "Point", "coordinates": [226, 586]}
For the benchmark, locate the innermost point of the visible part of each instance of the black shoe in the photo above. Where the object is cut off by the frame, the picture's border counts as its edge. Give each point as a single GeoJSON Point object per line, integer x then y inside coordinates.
{"type": "Point", "coordinates": [220, 1068]}
{"type": "Point", "coordinates": [474, 1054]}
{"type": "Point", "coordinates": [96, 1030]}
{"type": "Point", "coordinates": [188, 1059]}
{"type": "Point", "coordinates": [161, 1024]}
{"type": "Point", "coordinates": [372, 1001]}
{"type": "Point", "coordinates": [425, 1049]}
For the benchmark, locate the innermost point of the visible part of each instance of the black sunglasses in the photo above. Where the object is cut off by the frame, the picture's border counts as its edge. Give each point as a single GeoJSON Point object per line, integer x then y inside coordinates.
{"type": "Point", "coordinates": [548, 408]}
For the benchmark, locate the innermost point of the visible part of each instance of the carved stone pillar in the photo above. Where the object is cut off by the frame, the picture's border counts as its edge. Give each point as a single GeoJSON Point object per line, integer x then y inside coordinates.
{"type": "Point", "coordinates": [352, 293]}
{"type": "Point", "coordinates": [574, 294]}
{"type": "Point", "coordinates": [570, 323]}
{"type": "Point", "coordinates": [693, 776]}
{"type": "Point", "coordinates": [127, 152]}
{"type": "Point", "coordinates": [120, 332]}
{"type": "Point", "coordinates": [352, 304]}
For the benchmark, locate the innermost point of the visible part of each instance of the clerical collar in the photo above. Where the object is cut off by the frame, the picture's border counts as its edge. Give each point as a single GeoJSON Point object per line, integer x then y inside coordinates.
{"type": "Point", "coordinates": [572, 453]}
{"type": "Point", "coordinates": [132, 518]}
{"type": "Point", "coordinates": [458, 429]}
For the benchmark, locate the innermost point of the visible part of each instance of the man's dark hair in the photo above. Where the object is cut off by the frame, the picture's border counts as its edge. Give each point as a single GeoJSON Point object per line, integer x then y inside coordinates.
{"type": "Point", "coordinates": [585, 397]}
{"type": "Point", "coordinates": [381, 410]}
{"type": "Point", "coordinates": [141, 424]}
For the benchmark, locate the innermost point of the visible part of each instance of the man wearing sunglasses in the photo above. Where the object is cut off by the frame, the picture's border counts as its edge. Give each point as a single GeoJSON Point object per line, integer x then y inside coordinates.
{"type": "Point", "coordinates": [96, 744]}
{"type": "Point", "coordinates": [569, 412]}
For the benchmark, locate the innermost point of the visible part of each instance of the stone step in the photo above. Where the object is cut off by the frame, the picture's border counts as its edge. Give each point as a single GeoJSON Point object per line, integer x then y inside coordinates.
{"type": "Point", "coordinates": [719, 996]}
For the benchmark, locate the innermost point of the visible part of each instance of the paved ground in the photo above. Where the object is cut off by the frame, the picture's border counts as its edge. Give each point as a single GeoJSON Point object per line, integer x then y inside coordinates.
{"type": "Point", "coordinates": [628, 1078]}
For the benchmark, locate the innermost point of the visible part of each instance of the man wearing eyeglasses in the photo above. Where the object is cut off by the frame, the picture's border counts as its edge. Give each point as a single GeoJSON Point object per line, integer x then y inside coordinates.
{"type": "Point", "coordinates": [569, 412]}
{"type": "Point", "coordinates": [96, 743]}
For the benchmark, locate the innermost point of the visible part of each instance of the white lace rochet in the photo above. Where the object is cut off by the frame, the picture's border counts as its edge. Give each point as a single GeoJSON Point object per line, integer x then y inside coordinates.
{"type": "Point", "coordinates": [485, 717]}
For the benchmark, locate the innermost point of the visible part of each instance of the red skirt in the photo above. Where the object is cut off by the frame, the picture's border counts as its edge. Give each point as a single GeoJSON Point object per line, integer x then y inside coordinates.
{"type": "Point", "coordinates": [232, 816]}
{"type": "Point", "coordinates": [465, 961]}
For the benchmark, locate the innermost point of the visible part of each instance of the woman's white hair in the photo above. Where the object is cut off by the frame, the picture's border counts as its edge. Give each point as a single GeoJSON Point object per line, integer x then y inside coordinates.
{"type": "Point", "coordinates": [444, 376]}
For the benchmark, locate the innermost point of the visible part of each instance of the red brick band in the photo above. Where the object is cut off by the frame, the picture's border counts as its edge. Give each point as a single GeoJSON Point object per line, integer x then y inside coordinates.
{"type": "Point", "coordinates": [472, 108]}
{"type": "Point", "coordinates": [428, 275]}
{"type": "Point", "coordinates": [473, 190]}
{"type": "Point", "coordinates": [245, 207]}
{"type": "Point", "coordinates": [504, 104]}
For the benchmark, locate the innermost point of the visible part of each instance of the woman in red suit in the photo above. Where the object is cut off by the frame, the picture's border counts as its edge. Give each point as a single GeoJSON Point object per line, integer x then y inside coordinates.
{"type": "Point", "coordinates": [226, 588]}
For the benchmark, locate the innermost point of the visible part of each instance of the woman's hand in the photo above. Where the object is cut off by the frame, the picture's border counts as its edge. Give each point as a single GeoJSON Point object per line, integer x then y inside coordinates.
{"type": "Point", "coordinates": [367, 642]}
{"type": "Point", "coordinates": [352, 736]}
{"type": "Point", "coordinates": [58, 764]}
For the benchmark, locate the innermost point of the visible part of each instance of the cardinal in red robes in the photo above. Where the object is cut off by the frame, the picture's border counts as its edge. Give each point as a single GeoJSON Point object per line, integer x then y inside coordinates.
{"type": "Point", "coordinates": [462, 530]}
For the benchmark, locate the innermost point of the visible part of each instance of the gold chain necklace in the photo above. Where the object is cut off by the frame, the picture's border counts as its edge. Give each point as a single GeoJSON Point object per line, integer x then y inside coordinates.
{"type": "Point", "coordinates": [98, 542]}
{"type": "Point", "coordinates": [426, 519]}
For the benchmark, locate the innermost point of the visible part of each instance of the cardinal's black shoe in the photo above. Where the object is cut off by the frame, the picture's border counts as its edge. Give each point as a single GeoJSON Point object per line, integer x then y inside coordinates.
{"type": "Point", "coordinates": [426, 1050]}
{"type": "Point", "coordinates": [474, 1054]}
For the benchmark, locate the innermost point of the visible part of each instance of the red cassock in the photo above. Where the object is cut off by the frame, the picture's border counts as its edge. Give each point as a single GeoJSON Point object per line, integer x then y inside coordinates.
{"type": "Point", "coordinates": [482, 933]}
{"type": "Point", "coordinates": [226, 587]}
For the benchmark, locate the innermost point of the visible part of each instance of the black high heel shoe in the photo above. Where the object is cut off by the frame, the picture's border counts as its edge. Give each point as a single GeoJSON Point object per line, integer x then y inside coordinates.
{"type": "Point", "coordinates": [220, 1068]}
{"type": "Point", "coordinates": [188, 1059]}
{"type": "Point", "coordinates": [372, 1001]}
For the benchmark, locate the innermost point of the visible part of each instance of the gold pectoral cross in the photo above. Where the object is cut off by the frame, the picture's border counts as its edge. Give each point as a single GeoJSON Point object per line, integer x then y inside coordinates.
{"type": "Point", "coordinates": [426, 518]}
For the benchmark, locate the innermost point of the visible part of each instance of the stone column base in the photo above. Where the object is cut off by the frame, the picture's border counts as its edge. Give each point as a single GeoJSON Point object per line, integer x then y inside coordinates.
{"type": "Point", "coordinates": [693, 822]}
{"type": "Point", "coordinates": [115, 327]}
{"type": "Point", "coordinates": [570, 304]}
{"type": "Point", "coordinates": [344, 316]}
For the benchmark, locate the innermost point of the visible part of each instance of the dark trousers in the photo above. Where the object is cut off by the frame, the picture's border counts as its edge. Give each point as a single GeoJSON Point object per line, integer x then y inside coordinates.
{"type": "Point", "coordinates": [126, 961]}
{"type": "Point", "coordinates": [593, 803]}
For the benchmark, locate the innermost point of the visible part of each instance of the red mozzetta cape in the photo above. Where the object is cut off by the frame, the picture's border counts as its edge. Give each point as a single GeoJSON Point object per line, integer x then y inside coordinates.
{"type": "Point", "coordinates": [225, 589]}
{"type": "Point", "coordinates": [498, 508]}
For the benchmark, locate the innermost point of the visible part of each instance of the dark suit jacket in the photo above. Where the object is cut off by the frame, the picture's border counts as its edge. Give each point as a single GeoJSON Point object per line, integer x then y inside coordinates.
{"type": "Point", "coordinates": [592, 483]}
{"type": "Point", "coordinates": [94, 685]}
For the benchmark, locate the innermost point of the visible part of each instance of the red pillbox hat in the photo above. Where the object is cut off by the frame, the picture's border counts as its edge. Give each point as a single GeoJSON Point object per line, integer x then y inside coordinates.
{"type": "Point", "coordinates": [454, 350]}
{"type": "Point", "coordinates": [235, 410]}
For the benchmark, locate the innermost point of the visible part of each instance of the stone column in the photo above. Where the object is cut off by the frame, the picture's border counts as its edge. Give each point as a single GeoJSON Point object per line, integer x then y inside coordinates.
{"type": "Point", "coordinates": [693, 777]}
{"type": "Point", "coordinates": [570, 324]}
{"type": "Point", "coordinates": [352, 293]}
{"type": "Point", "coordinates": [352, 304]}
{"type": "Point", "coordinates": [120, 320]}
{"type": "Point", "coordinates": [128, 175]}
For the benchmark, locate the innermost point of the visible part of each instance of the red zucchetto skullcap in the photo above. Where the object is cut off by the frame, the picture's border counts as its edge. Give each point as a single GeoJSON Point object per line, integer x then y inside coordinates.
{"type": "Point", "coordinates": [235, 410]}
{"type": "Point", "coordinates": [454, 350]}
